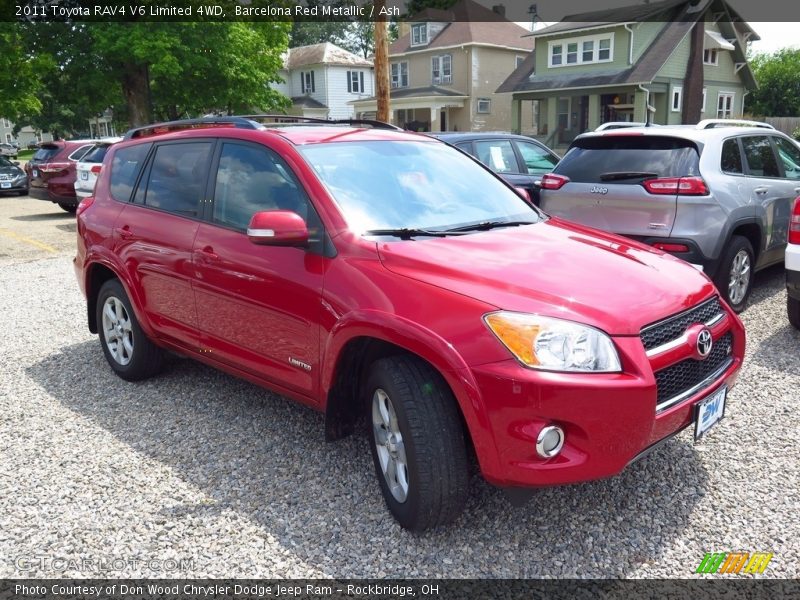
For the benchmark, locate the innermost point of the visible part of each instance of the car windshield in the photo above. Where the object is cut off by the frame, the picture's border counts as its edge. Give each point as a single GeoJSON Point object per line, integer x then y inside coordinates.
{"type": "Point", "coordinates": [412, 185]}
{"type": "Point", "coordinates": [45, 153]}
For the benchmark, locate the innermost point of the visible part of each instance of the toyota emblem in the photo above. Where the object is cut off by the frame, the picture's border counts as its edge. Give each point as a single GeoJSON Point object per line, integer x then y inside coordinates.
{"type": "Point", "coordinates": [704, 343]}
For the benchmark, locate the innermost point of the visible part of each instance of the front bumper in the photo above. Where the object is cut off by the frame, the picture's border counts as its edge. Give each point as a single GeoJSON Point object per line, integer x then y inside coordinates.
{"type": "Point", "coordinates": [609, 420]}
{"type": "Point", "coordinates": [14, 187]}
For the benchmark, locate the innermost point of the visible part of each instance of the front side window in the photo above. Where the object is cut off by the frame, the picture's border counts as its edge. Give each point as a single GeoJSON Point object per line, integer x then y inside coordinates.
{"type": "Point", "coordinates": [731, 161]}
{"type": "Point", "coordinates": [177, 178]}
{"type": "Point", "coordinates": [538, 160]}
{"type": "Point", "coordinates": [399, 75]}
{"type": "Point", "coordinates": [406, 184]}
{"type": "Point", "coordinates": [790, 157]}
{"type": "Point", "coordinates": [125, 169]}
{"type": "Point", "coordinates": [498, 155]}
{"type": "Point", "coordinates": [760, 158]}
{"type": "Point", "coordinates": [251, 179]}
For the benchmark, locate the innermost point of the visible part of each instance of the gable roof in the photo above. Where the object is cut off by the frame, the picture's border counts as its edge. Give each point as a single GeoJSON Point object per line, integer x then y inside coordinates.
{"type": "Point", "coordinates": [467, 23]}
{"type": "Point", "coordinates": [679, 17]}
{"type": "Point", "coordinates": [322, 54]}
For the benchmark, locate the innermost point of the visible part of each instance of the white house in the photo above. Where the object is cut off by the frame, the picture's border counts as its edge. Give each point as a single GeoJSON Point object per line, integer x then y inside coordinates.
{"type": "Point", "coordinates": [26, 135]}
{"type": "Point", "coordinates": [322, 78]}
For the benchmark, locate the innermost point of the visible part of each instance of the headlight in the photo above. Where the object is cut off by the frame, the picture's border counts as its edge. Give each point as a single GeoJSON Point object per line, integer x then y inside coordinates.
{"type": "Point", "coordinates": [554, 344]}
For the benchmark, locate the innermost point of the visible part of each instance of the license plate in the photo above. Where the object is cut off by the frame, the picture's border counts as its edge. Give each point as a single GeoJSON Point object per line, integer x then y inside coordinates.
{"type": "Point", "coordinates": [35, 173]}
{"type": "Point", "coordinates": [5, 185]}
{"type": "Point", "coordinates": [709, 412]}
{"type": "Point", "coordinates": [84, 175]}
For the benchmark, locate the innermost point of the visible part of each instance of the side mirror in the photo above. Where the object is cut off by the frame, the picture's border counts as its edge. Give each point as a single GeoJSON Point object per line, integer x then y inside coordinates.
{"type": "Point", "coordinates": [524, 193]}
{"type": "Point", "coordinates": [277, 228]}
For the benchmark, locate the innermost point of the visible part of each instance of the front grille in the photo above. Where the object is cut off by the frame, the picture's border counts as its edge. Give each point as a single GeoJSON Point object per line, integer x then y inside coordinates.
{"type": "Point", "coordinates": [683, 376]}
{"type": "Point", "coordinates": [672, 328]}
{"type": "Point", "coordinates": [5, 177]}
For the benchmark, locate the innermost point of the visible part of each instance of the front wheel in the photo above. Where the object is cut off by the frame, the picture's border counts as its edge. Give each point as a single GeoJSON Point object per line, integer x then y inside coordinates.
{"type": "Point", "coordinates": [735, 277]}
{"type": "Point", "coordinates": [418, 442]}
{"type": "Point", "coordinates": [130, 353]}
{"type": "Point", "coordinates": [68, 207]}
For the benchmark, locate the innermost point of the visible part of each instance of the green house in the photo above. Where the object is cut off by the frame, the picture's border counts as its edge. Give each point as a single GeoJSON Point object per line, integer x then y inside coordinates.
{"type": "Point", "coordinates": [670, 62]}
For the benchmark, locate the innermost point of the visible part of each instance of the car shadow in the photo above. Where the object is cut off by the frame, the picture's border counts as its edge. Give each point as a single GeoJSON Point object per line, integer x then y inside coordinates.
{"type": "Point", "coordinates": [264, 456]}
{"type": "Point", "coordinates": [59, 214]}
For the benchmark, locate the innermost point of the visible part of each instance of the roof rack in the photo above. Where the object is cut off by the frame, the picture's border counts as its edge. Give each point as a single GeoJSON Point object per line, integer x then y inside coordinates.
{"type": "Point", "coordinates": [245, 122]}
{"type": "Point", "coordinates": [714, 123]}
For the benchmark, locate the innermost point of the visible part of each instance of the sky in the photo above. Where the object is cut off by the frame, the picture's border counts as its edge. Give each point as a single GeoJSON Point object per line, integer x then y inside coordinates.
{"type": "Point", "coordinates": [775, 36]}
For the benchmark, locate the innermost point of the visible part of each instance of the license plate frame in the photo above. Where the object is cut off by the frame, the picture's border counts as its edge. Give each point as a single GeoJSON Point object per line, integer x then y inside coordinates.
{"type": "Point", "coordinates": [6, 185]}
{"type": "Point", "coordinates": [84, 175]}
{"type": "Point", "coordinates": [709, 412]}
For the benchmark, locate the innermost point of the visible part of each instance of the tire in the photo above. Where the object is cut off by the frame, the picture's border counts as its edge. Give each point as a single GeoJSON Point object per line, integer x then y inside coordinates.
{"type": "Point", "coordinates": [793, 311]}
{"type": "Point", "coordinates": [128, 350]}
{"type": "Point", "coordinates": [412, 415]}
{"type": "Point", "coordinates": [68, 207]}
{"type": "Point", "coordinates": [735, 277]}
{"type": "Point", "coordinates": [23, 193]}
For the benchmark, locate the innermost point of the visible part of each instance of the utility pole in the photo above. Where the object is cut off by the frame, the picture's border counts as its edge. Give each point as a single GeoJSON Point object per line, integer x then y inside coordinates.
{"type": "Point", "coordinates": [381, 61]}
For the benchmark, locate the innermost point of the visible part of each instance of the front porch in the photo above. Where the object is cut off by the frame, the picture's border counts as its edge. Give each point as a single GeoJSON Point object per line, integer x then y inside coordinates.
{"type": "Point", "coordinates": [425, 109]}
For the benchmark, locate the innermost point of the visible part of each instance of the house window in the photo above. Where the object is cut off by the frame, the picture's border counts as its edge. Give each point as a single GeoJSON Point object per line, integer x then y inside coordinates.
{"type": "Point", "coordinates": [581, 51]}
{"type": "Point", "coordinates": [518, 61]}
{"type": "Point", "coordinates": [703, 109]}
{"type": "Point", "coordinates": [8, 138]}
{"type": "Point", "coordinates": [442, 69]}
{"type": "Point", "coordinates": [355, 82]}
{"type": "Point", "coordinates": [6, 123]}
{"type": "Point", "coordinates": [419, 34]}
{"type": "Point", "coordinates": [677, 99]}
{"type": "Point", "coordinates": [399, 75]}
{"type": "Point", "coordinates": [484, 105]}
{"type": "Point", "coordinates": [307, 82]}
{"type": "Point", "coordinates": [710, 56]}
{"type": "Point", "coordinates": [725, 105]}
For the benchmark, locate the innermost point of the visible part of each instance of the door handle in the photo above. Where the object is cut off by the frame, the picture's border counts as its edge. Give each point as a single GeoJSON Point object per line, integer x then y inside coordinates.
{"type": "Point", "coordinates": [124, 232]}
{"type": "Point", "coordinates": [761, 190]}
{"type": "Point", "coordinates": [208, 254]}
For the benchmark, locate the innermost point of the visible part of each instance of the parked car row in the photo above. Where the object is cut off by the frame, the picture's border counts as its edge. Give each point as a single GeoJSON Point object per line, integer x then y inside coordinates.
{"type": "Point", "coordinates": [393, 282]}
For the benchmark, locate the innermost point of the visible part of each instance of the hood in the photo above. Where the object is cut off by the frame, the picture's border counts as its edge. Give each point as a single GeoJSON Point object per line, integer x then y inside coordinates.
{"type": "Point", "coordinates": [557, 269]}
{"type": "Point", "coordinates": [12, 170]}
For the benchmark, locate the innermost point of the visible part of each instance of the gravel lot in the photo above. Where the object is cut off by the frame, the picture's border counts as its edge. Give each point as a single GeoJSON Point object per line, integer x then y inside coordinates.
{"type": "Point", "coordinates": [238, 482]}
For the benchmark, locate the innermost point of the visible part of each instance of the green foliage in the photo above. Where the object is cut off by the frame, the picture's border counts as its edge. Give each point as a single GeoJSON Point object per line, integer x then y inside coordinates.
{"type": "Point", "coordinates": [415, 6]}
{"type": "Point", "coordinates": [778, 77]}
{"type": "Point", "coordinates": [20, 73]}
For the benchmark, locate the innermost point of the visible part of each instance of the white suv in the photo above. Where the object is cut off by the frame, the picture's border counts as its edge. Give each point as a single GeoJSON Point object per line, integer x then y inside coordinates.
{"type": "Point", "coordinates": [793, 267]}
{"type": "Point", "coordinates": [89, 167]}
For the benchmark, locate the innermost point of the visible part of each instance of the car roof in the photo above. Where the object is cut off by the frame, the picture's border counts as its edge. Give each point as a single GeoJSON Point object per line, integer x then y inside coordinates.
{"type": "Point", "coordinates": [450, 136]}
{"type": "Point", "coordinates": [686, 132]}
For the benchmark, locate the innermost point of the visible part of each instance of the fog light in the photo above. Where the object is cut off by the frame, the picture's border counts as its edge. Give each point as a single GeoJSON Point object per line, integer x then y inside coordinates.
{"type": "Point", "coordinates": [550, 441]}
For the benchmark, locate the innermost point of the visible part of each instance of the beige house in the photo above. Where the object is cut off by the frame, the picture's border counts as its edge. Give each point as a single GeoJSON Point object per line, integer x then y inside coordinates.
{"type": "Point", "coordinates": [446, 66]}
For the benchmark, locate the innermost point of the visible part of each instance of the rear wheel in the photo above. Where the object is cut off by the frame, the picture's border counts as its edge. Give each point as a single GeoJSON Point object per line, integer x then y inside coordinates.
{"type": "Point", "coordinates": [793, 311]}
{"type": "Point", "coordinates": [67, 207]}
{"type": "Point", "coordinates": [130, 353]}
{"type": "Point", "coordinates": [418, 442]}
{"type": "Point", "coordinates": [735, 277]}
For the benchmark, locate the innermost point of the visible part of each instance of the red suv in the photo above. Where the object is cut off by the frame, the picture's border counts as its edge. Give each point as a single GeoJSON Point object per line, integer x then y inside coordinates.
{"type": "Point", "coordinates": [51, 171]}
{"type": "Point", "coordinates": [389, 280]}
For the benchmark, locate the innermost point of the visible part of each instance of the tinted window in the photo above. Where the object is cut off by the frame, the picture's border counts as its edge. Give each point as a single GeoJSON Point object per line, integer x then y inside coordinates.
{"type": "Point", "coordinates": [177, 178]}
{"type": "Point", "coordinates": [45, 153]}
{"type": "Point", "coordinates": [498, 155]}
{"type": "Point", "coordinates": [789, 154]}
{"type": "Point", "coordinates": [80, 152]}
{"type": "Point", "coordinates": [731, 161]}
{"type": "Point", "coordinates": [538, 160]}
{"type": "Point", "coordinates": [760, 157]}
{"type": "Point", "coordinates": [124, 170]}
{"type": "Point", "coordinates": [607, 158]}
{"type": "Point", "coordinates": [96, 154]}
{"type": "Point", "coordinates": [465, 146]}
{"type": "Point", "coordinates": [252, 179]}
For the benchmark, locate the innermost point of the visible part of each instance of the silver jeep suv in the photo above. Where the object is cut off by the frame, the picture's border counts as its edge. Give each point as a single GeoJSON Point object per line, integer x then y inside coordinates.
{"type": "Point", "coordinates": [717, 194]}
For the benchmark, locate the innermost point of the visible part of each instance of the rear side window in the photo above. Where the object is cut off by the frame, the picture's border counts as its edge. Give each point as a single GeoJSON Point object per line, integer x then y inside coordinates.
{"type": "Point", "coordinates": [498, 155]}
{"type": "Point", "coordinates": [761, 160]}
{"type": "Point", "coordinates": [80, 152]}
{"type": "Point", "coordinates": [538, 161]}
{"type": "Point", "coordinates": [789, 154]}
{"type": "Point", "coordinates": [125, 169]}
{"type": "Point", "coordinates": [628, 159]}
{"type": "Point", "coordinates": [177, 178]}
{"type": "Point", "coordinates": [731, 160]}
{"type": "Point", "coordinates": [45, 153]}
{"type": "Point", "coordinates": [96, 154]}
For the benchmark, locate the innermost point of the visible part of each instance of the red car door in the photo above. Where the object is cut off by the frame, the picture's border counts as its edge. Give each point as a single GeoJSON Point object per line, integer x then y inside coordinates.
{"type": "Point", "coordinates": [154, 236]}
{"type": "Point", "coordinates": [258, 306]}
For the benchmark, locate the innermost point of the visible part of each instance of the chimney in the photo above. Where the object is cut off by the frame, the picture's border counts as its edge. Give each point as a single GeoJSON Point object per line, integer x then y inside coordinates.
{"type": "Point", "coordinates": [499, 9]}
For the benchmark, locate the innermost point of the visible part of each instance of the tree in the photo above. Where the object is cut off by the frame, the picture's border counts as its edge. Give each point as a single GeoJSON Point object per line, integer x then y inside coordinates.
{"type": "Point", "coordinates": [20, 73]}
{"type": "Point", "coordinates": [778, 77]}
{"type": "Point", "coordinates": [415, 6]}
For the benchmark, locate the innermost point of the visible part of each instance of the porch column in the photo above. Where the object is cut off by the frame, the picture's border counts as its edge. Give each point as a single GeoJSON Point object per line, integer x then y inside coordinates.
{"type": "Point", "coordinates": [435, 126]}
{"type": "Point", "coordinates": [516, 115]}
{"type": "Point", "coordinates": [594, 111]}
{"type": "Point", "coordinates": [552, 118]}
{"type": "Point", "coordinates": [640, 106]}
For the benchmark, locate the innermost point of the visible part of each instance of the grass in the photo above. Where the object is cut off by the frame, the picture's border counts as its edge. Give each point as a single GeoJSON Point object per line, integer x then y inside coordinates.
{"type": "Point", "coordinates": [25, 154]}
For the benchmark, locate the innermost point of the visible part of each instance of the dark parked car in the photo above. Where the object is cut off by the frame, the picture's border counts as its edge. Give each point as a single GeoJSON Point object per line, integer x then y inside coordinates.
{"type": "Point", "coordinates": [518, 159]}
{"type": "Point", "coordinates": [12, 177]}
{"type": "Point", "coordinates": [51, 171]}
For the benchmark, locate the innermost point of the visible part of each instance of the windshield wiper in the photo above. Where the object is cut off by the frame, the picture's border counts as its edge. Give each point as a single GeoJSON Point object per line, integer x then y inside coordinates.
{"type": "Point", "coordinates": [406, 233]}
{"type": "Point", "coordinates": [627, 175]}
{"type": "Point", "coordinates": [484, 225]}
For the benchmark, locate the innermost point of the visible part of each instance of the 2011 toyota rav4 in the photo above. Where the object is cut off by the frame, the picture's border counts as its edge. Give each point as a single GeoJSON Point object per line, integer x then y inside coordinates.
{"type": "Point", "coordinates": [386, 278]}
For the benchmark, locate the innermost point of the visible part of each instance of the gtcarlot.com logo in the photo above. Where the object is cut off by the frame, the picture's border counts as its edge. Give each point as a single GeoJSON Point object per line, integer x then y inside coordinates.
{"type": "Point", "coordinates": [743, 563]}
{"type": "Point", "coordinates": [102, 564]}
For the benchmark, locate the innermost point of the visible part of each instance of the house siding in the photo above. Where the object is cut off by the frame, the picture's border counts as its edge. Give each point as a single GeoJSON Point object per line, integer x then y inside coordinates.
{"type": "Point", "coordinates": [644, 34]}
{"type": "Point", "coordinates": [490, 67]}
{"type": "Point", "coordinates": [726, 69]}
{"type": "Point", "coordinates": [338, 96]}
{"type": "Point", "coordinates": [676, 65]}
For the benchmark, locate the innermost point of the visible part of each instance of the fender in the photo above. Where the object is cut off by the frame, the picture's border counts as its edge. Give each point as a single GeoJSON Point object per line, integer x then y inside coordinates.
{"type": "Point", "coordinates": [428, 345]}
{"type": "Point", "coordinates": [100, 255]}
{"type": "Point", "coordinates": [738, 218]}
